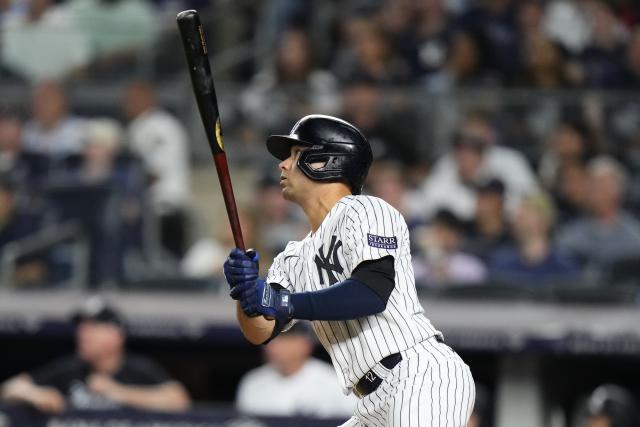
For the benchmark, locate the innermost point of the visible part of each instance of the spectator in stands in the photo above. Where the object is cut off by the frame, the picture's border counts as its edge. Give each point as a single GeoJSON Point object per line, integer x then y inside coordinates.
{"type": "Point", "coordinates": [543, 64]}
{"type": "Point", "coordinates": [103, 137]}
{"type": "Point", "coordinates": [609, 405]}
{"type": "Point", "coordinates": [452, 186]}
{"type": "Point", "coordinates": [293, 87]}
{"type": "Point", "coordinates": [570, 192]}
{"type": "Point", "coordinates": [388, 181]}
{"type": "Point", "coordinates": [567, 144]}
{"type": "Point", "coordinates": [530, 17]}
{"type": "Point", "coordinates": [390, 128]}
{"type": "Point", "coordinates": [427, 45]}
{"type": "Point", "coordinates": [44, 42]}
{"type": "Point", "coordinates": [567, 24]}
{"type": "Point", "coordinates": [602, 61]}
{"type": "Point", "coordinates": [101, 375]}
{"type": "Point", "coordinates": [608, 233]}
{"type": "Point", "coordinates": [104, 164]}
{"type": "Point", "coordinates": [160, 140]}
{"type": "Point", "coordinates": [489, 229]}
{"type": "Point", "coordinates": [632, 80]}
{"type": "Point", "coordinates": [464, 66]}
{"type": "Point", "coordinates": [10, 142]}
{"type": "Point", "coordinates": [493, 24]}
{"type": "Point", "coordinates": [440, 260]}
{"type": "Point", "coordinates": [292, 382]}
{"type": "Point", "coordinates": [476, 157]}
{"type": "Point", "coordinates": [533, 261]}
{"type": "Point", "coordinates": [369, 55]}
{"type": "Point", "coordinates": [117, 32]}
{"type": "Point", "coordinates": [53, 130]}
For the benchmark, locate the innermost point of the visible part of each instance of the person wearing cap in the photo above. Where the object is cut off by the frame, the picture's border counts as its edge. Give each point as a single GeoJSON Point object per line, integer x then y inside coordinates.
{"type": "Point", "coordinates": [292, 382]}
{"type": "Point", "coordinates": [475, 156]}
{"type": "Point", "coordinates": [100, 375]}
{"type": "Point", "coordinates": [610, 405]}
{"type": "Point", "coordinates": [441, 261]}
{"type": "Point", "coordinates": [489, 229]}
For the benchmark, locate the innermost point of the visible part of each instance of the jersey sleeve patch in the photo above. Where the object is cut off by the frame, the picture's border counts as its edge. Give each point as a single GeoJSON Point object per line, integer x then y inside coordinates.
{"type": "Point", "coordinates": [382, 242]}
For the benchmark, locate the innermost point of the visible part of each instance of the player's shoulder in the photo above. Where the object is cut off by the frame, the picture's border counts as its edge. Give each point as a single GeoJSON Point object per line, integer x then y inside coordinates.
{"type": "Point", "coordinates": [293, 247]}
{"type": "Point", "coordinates": [363, 205]}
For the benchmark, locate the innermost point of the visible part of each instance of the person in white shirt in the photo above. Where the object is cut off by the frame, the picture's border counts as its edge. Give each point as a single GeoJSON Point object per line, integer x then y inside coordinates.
{"type": "Point", "coordinates": [41, 40]}
{"type": "Point", "coordinates": [161, 142]}
{"type": "Point", "coordinates": [450, 184]}
{"type": "Point", "coordinates": [292, 382]}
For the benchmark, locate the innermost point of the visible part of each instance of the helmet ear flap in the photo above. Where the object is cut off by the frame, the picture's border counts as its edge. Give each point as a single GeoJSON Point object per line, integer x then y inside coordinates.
{"type": "Point", "coordinates": [332, 170]}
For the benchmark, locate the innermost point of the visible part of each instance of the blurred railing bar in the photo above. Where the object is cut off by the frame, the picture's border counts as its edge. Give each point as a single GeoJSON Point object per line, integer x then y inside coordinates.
{"type": "Point", "coordinates": [45, 239]}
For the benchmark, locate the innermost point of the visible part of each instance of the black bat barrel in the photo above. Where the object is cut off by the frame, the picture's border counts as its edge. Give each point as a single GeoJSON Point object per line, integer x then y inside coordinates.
{"type": "Point", "coordinates": [195, 49]}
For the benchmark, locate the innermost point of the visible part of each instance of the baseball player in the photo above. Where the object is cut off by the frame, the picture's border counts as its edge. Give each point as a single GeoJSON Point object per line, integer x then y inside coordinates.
{"type": "Point", "coordinates": [351, 276]}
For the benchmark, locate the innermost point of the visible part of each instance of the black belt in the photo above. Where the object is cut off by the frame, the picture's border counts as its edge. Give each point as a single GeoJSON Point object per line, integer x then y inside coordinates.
{"type": "Point", "coordinates": [370, 380]}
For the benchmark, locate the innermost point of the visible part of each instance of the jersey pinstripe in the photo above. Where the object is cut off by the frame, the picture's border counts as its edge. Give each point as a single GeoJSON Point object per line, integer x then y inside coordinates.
{"type": "Point", "coordinates": [357, 229]}
{"type": "Point", "coordinates": [430, 387]}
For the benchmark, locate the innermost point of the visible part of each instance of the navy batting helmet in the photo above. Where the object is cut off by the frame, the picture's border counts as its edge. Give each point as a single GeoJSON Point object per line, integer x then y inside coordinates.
{"type": "Point", "coordinates": [342, 148]}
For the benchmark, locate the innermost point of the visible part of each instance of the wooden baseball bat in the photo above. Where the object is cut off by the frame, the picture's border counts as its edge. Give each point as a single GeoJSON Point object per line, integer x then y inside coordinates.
{"type": "Point", "coordinates": [195, 49]}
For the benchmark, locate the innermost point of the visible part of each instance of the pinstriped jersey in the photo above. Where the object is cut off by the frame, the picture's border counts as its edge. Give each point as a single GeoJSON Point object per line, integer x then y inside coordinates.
{"type": "Point", "coordinates": [357, 229]}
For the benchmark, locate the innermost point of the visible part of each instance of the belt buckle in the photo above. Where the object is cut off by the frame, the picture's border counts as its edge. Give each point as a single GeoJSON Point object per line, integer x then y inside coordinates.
{"type": "Point", "coordinates": [357, 392]}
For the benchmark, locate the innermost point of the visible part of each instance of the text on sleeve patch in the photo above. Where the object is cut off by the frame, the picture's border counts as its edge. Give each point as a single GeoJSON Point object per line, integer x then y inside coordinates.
{"type": "Point", "coordinates": [382, 242]}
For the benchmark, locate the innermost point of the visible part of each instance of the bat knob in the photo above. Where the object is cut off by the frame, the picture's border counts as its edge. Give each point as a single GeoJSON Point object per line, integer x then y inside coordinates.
{"type": "Point", "coordinates": [251, 253]}
{"type": "Point", "coordinates": [187, 14]}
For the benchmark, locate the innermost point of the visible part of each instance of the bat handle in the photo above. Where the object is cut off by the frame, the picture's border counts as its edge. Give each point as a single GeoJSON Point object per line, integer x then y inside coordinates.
{"type": "Point", "coordinates": [220, 159]}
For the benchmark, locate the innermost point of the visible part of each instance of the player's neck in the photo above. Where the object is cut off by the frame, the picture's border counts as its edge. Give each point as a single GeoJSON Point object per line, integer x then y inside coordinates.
{"type": "Point", "coordinates": [318, 206]}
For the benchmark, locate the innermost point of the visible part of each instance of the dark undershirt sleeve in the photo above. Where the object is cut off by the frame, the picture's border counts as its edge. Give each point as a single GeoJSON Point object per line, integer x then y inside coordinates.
{"type": "Point", "coordinates": [379, 275]}
{"type": "Point", "coordinates": [365, 293]}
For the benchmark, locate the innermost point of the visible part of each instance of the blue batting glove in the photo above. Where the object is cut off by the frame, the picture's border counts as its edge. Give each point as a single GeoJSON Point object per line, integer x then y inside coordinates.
{"type": "Point", "coordinates": [238, 291]}
{"type": "Point", "coordinates": [245, 293]}
{"type": "Point", "coordinates": [241, 267]}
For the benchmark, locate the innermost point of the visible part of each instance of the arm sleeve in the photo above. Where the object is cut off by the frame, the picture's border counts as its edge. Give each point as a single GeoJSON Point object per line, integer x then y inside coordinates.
{"type": "Point", "coordinates": [365, 293]}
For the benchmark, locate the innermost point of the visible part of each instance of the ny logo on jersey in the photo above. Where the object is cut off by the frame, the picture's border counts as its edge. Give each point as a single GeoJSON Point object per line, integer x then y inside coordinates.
{"type": "Point", "coordinates": [329, 262]}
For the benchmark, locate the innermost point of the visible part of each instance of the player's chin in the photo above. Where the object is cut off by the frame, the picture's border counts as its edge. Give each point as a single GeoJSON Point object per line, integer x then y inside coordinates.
{"type": "Point", "coordinates": [287, 193]}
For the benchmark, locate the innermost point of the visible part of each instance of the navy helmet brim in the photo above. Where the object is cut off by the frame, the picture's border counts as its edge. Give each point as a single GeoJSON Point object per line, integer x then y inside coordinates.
{"type": "Point", "coordinates": [280, 145]}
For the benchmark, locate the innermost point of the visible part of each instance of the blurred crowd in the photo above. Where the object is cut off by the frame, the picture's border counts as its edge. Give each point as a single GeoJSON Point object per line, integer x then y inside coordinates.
{"type": "Point", "coordinates": [438, 44]}
{"type": "Point", "coordinates": [505, 131]}
{"type": "Point", "coordinates": [529, 191]}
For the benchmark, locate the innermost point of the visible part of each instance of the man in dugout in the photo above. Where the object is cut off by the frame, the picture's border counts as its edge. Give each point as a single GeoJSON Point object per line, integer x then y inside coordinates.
{"type": "Point", "coordinates": [100, 375]}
